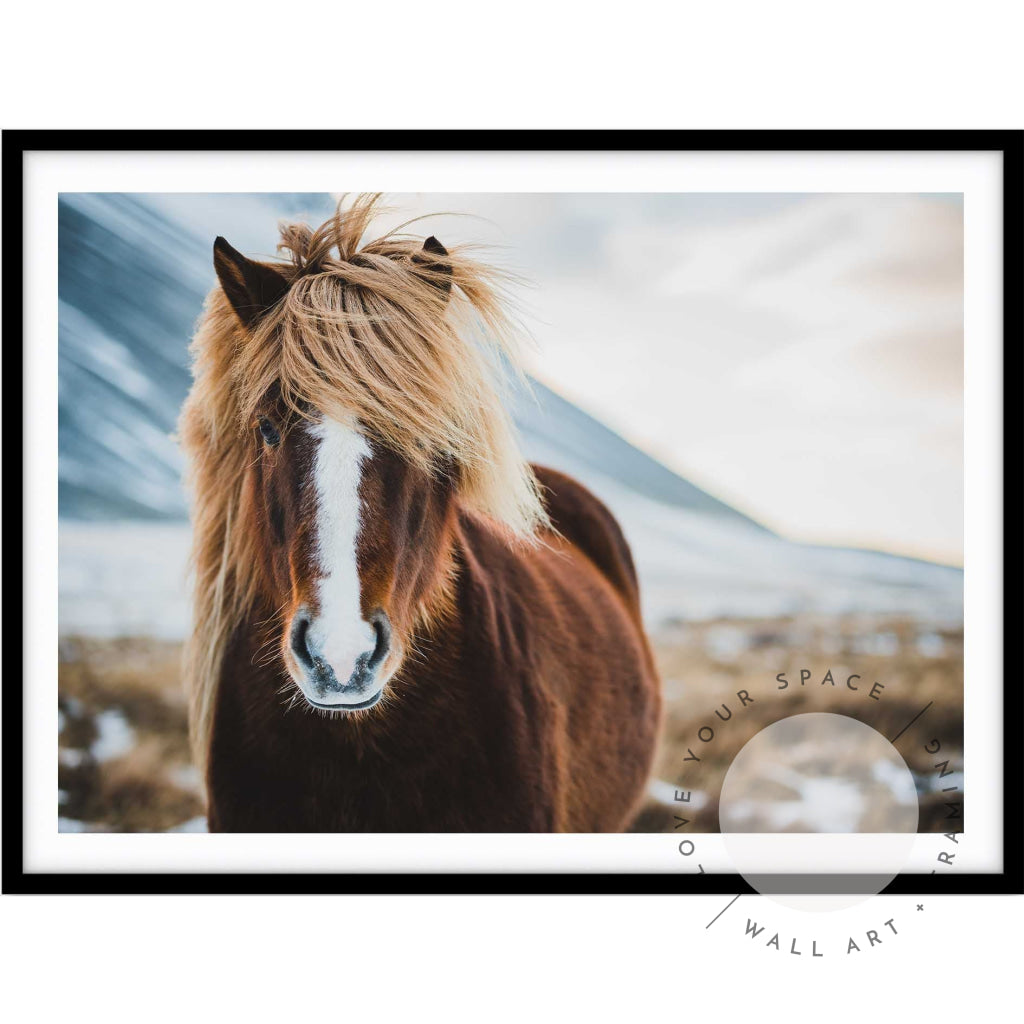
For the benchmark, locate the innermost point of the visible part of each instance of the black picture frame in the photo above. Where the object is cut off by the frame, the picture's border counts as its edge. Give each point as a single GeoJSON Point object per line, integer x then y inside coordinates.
{"type": "Point", "coordinates": [15, 145]}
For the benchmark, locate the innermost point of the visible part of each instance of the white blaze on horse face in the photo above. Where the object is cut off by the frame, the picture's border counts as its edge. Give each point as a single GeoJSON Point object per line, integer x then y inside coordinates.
{"type": "Point", "coordinates": [338, 631]}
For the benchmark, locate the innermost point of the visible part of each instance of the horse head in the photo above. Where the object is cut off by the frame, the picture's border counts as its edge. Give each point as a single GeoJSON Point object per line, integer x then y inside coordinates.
{"type": "Point", "coordinates": [350, 534]}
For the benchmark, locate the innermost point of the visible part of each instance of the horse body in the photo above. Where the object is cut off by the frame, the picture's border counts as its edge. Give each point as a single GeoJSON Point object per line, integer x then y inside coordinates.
{"type": "Point", "coordinates": [534, 708]}
{"type": "Point", "coordinates": [399, 624]}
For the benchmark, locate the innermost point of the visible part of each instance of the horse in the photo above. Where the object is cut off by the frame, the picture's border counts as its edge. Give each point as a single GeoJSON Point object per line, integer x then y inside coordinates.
{"type": "Point", "coordinates": [399, 624]}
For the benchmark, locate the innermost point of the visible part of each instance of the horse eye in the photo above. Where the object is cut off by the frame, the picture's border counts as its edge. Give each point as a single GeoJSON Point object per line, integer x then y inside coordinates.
{"type": "Point", "coordinates": [269, 432]}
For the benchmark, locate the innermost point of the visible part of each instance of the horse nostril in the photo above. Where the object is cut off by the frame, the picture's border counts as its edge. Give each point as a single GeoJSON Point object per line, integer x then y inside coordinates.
{"type": "Point", "coordinates": [299, 639]}
{"type": "Point", "coordinates": [382, 629]}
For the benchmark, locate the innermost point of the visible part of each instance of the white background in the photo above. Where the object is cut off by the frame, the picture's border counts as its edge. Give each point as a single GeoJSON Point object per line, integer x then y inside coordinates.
{"type": "Point", "coordinates": [649, 65]}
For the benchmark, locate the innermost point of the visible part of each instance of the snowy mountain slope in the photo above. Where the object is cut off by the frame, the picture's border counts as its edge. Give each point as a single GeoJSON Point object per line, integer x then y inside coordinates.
{"type": "Point", "coordinates": [133, 274]}
{"type": "Point", "coordinates": [131, 284]}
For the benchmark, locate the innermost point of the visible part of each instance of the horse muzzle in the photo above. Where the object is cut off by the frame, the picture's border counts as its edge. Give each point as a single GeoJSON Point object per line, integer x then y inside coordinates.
{"type": "Point", "coordinates": [330, 678]}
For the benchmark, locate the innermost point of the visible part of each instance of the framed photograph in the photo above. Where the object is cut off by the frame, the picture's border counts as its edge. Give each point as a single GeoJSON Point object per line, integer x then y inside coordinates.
{"type": "Point", "coordinates": [512, 512]}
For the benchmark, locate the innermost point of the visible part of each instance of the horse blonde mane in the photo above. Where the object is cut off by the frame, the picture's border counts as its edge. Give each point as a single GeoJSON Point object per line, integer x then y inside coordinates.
{"type": "Point", "coordinates": [412, 348]}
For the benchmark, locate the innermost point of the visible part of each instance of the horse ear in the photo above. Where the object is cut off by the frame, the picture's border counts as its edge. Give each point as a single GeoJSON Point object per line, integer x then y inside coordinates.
{"type": "Point", "coordinates": [433, 258]}
{"type": "Point", "coordinates": [251, 287]}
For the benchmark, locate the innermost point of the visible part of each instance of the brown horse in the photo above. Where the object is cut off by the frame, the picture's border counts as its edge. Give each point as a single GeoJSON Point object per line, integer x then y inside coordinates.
{"type": "Point", "coordinates": [399, 624]}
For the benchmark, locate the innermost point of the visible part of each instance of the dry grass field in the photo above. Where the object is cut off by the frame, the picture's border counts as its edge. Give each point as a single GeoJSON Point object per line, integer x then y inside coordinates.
{"type": "Point", "coordinates": [705, 666]}
{"type": "Point", "coordinates": [124, 762]}
{"type": "Point", "coordinates": [124, 759]}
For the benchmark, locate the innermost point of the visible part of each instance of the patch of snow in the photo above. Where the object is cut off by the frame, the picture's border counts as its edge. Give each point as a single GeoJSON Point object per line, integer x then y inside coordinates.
{"type": "Point", "coordinates": [124, 579]}
{"type": "Point", "coordinates": [935, 783]}
{"type": "Point", "coordinates": [824, 805]}
{"type": "Point", "coordinates": [896, 777]}
{"type": "Point", "coordinates": [186, 776]}
{"type": "Point", "coordinates": [192, 825]}
{"type": "Point", "coordinates": [726, 643]}
{"type": "Point", "coordinates": [885, 645]}
{"type": "Point", "coordinates": [116, 737]}
{"type": "Point", "coordinates": [930, 645]}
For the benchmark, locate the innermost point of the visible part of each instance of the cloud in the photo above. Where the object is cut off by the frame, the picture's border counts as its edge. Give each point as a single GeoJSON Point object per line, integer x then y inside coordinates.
{"type": "Point", "coordinates": [799, 355]}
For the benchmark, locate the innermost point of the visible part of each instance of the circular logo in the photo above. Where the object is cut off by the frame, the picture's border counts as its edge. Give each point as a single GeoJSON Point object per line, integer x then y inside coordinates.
{"type": "Point", "coordinates": [818, 811]}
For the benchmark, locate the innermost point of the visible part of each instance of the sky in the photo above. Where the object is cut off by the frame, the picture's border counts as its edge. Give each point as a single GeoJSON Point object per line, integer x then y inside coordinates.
{"type": "Point", "coordinates": [799, 356]}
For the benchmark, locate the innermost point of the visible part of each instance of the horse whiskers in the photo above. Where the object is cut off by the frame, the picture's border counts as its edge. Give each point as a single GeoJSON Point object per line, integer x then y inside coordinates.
{"type": "Point", "coordinates": [262, 660]}
{"type": "Point", "coordinates": [419, 657]}
{"type": "Point", "coordinates": [273, 639]}
{"type": "Point", "coordinates": [289, 684]}
{"type": "Point", "coordinates": [274, 616]}
{"type": "Point", "coordinates": [266, 660]}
